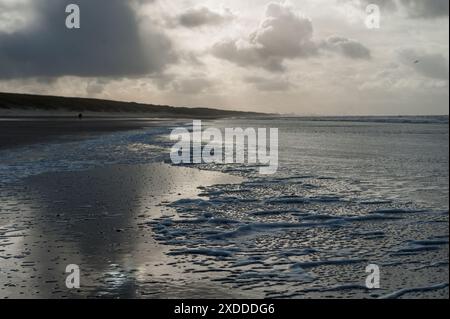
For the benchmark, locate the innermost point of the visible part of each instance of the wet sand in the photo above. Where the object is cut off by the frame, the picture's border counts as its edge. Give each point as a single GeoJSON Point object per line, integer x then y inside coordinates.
{"type": "Point", "coordinates": [97, 219]}
{"type": "Point", "coordinates": [15, 132]}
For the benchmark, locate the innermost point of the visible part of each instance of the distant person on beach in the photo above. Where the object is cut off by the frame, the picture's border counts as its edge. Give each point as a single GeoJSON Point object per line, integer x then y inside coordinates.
{"type": "Point", "coordinates": [80, 116]}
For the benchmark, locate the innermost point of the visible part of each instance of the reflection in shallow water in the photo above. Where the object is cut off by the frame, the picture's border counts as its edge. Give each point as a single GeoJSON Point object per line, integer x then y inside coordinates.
{"type": "Point", "coordinates": [95, 219]}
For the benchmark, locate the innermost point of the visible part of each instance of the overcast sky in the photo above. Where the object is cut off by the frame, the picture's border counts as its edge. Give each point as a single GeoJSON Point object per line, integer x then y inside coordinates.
{"type": "Point", "coordinates": [309, 57]}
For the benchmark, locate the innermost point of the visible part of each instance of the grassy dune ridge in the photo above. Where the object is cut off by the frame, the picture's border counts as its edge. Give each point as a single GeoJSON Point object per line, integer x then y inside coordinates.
{"type": "Point", "coordinates": [15, 104]}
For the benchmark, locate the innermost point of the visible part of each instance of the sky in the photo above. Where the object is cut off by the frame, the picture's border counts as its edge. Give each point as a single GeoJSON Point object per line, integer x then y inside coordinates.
{"type": "Point", "coordinates": [305, 57]}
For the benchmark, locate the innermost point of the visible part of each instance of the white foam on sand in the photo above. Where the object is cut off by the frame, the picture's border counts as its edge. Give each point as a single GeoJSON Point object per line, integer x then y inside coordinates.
{"type": "Point", "coordinates": [400, 293]}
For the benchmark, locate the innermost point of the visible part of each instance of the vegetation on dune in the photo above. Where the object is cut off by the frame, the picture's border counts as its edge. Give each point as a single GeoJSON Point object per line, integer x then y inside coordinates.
{"type": "Point", "coordinates": [28, 102]}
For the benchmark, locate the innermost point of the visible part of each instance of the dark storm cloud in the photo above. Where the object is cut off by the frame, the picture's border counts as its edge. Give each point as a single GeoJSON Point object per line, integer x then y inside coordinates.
{"type": "Point", "coordinates": [108, 43]}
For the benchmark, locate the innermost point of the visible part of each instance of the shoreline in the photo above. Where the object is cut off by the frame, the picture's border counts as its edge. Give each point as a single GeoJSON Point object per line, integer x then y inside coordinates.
{"type": "Point", "coordinates": [21, 132]}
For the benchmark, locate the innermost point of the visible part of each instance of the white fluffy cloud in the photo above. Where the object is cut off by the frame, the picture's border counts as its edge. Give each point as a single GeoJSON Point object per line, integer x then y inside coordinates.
{"type": "Point", "coordinates": [282, 35]}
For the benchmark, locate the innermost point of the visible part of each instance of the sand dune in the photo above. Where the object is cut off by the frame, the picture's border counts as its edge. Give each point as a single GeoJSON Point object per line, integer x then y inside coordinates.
{"type": "Point", "coordinates": [12, 104]}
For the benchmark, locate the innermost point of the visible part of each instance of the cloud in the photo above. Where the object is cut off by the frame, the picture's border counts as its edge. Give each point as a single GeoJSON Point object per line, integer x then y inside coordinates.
{"type": "Point", "coordinates": [347, 47]}
{"type": "Point", "coordinates": [95, 87]}
{"type": "Point", "coordinates": [383, 4]}
{"type": "Point", "coordinates": [197, 17]}
{"type": "Point", "coordinates": [194, 85]}
{"type": "Point", "coordinates": [430, 65]}
{"type": "Point", "coordinates": [282, 35]}
{"type": "Point", "coordinates": [269, 84]}
{"type": "Point", "coordinates": [427, 9]}
{"type": "Point", "coordinates": [13, 14]}
{"type": "Point", "coordinates": [245, 55]}
{"type": "Point", "coordinates": [111, 46]}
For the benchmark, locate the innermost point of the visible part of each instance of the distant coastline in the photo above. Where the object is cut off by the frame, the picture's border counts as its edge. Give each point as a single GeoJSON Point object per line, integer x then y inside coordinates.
{"type": "Point", "coordinates": [24, 105]}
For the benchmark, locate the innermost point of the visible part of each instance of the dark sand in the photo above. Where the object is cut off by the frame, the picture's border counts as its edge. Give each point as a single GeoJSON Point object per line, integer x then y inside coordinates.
{"type": "Point", "coordinates": [20, 132]}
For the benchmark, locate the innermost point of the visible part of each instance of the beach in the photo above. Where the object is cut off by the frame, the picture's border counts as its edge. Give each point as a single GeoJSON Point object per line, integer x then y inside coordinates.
{"type": "Point", "coordinates": [15, 132]}
{"type": "Point", "coordinates": [105, 196]}
{"type": "Point", "coordinates": [96, 219]}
